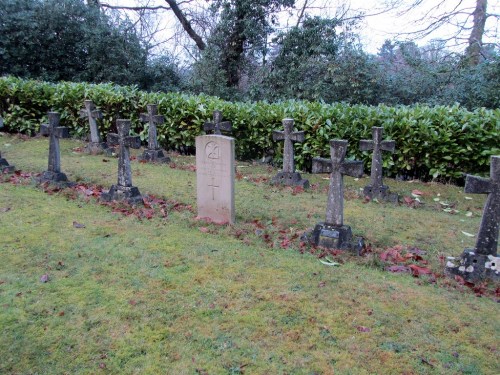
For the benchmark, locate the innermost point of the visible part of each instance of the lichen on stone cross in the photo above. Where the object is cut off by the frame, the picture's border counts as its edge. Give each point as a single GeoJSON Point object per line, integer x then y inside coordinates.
{"type": "Point", "coordinates": [90, 112]}
{"type": "Point", "coordinates": [124, 141]}
{"type": "Point", "coordinates": [377, 145]}
{"type": "Point", "coordinates": [288, 136]}
{"type": "Point", "coordinates": [153, 119]}
{"type": "Point", "coordinates": [217, 125]}
{"type": "Point", "coordinates": [54, 131]}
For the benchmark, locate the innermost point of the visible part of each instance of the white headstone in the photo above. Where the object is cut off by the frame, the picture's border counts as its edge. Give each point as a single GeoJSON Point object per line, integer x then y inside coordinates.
{"type": "Point", "coordinates": [215, 178]}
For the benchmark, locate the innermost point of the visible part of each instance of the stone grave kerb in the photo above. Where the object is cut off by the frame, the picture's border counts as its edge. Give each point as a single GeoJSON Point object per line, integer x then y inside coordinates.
{"type": "Point", "coordinates": [5, 167]}
{"type": "Point", "coordinates": [52, 129]}
{"type": "Point", "coordinates": [333, 233]}
{"type": "Point", "coordinates": [153, 153]}
{"type": "Point", "coordinates": [123, 190]}
{"type": "Point", "coordinates": [217, 125]}
{"type": "Point", "coordinates": [215, 178]}
{"type": "Point", "coordinates": [95, 145]}
{"type": "Point", "coordinates": [288, 175]}
{"type": "Point", "coordinates": [482, 262]}
{"type": "Point", "coordinates": [376, 188]}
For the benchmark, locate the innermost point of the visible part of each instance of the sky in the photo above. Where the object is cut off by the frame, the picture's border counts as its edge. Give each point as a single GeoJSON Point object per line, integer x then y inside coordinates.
{"type": "Point", "coordinates": [373, 30]}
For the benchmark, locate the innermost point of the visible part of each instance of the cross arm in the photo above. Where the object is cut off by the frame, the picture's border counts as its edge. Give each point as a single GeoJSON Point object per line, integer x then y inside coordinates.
{"type": "Point", "coordinates": [208, 126]}
{"type": "Point", "coordinates": [477, 185]}
{"type": "Point", "coordinates": [321, 165]}
{"type": "Point", "coordinates": [278, 135]}
{"type": "Point", "coordinates": [225, 125]}
{"type": "Point", "coordinates": [61, 132]}
{"type": "Point", "coordinates": [298, 136]}
{"type": "Point", "coordinates": [353, 168]}
{"type": "Point", "coordinates": [113, 139]}
{"type": "Point", "coordinates": [96, 113]}
{"type": "Point", "coordinates": [83, 113]}
{"type": "Point", "coordinates": [44, 129]}
{"type": "Point", "coordinates": [366, 144]}
{"type": "Point", "coordinates": [388, 146]}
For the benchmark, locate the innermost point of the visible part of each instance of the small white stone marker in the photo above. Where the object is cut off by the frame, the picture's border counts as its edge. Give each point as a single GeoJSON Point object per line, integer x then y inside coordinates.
{"type": "Point", "coordinates": [215, 178]}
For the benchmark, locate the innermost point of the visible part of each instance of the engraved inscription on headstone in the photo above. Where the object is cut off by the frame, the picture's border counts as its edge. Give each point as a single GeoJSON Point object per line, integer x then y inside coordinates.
{"type": "Point", "coordinates": [288, 176]}
{"type": "Point", "coordinates": [5, 167]}
{"type": "Point", "coordinates": [215, 178]}
{"type": "Point", "coordinates": [153, 153]}
{"type": "Point", "coordinates": [218, 125]}
{"type": "Point", "coordinates": [53, 174]}
{"type": "Point", "coordinates": [95, 146]}
{"type": "Point", "coordinates": [123, 190]}
{"type": "Point", "coordinates": [482, 261]}
{"type": "Point", "coordinates": [377, 189]}
{"type": "Point", "coordinates": [332, 233]}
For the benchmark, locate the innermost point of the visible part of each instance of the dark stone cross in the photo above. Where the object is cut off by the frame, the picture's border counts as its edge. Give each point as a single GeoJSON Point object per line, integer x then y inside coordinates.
{"type": "Point", "coordinates": [218, 124]}
{"type": "Point", "coordinates": [333, 233]}
{"type": "Point", "coordinates": [5, 167]}
{"type": "Point", "coordinates": [54, 131]}
{"type": "Point", "coordinates": [377, 189]}
{"type": "Point", "coordinates": [288, 176]}
{"type": "Point", "coordinates": [95, 146]}
{"type": "Point", "coordinates": [123, 190]}
{"type": "Point", "coordinates": [153, 153]}
{"type": "Point", "coordinates": [482, 261]}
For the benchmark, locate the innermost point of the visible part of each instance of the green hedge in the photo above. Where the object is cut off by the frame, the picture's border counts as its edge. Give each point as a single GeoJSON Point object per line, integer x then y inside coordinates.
{"type": "Point", "coordinates": [430, 141]}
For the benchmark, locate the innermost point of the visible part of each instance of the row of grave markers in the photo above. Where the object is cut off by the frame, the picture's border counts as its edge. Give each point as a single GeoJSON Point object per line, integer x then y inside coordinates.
{"type": "Point", "coordinates": [215, 171]}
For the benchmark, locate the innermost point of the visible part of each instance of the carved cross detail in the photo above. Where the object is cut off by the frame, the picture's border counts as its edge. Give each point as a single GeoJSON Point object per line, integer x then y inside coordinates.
{"type": "Point", "coordinates": [288, 136]}
{"type": "Point", "coordinates": [125, 141]}
{"type": "Point", "coordinates": [338, 167]}
{"type": "Point", "coordinates": [218, 124]}
{"type": "Point", "coordinates": [92, 114]}
{"type": "Point", "coordinates": [377, 145]}
{"type": "Point", "coordinates": [487, 238]}
{"type": "Point", "coordinates": [54, 131]}
{"type": "Point", "coordinates": [153, 119]}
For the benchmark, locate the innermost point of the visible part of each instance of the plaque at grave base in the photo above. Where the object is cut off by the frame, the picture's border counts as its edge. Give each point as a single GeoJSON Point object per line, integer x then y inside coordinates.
{"type": "Point", "coordinates": [215, 178]}
{"type": "Point", "coordinates": [53, 174]}
{"type": "Point", "coordinates": [332, 233]}
{"type": "Point", "coordinates": [123, 190]}
{"type": "Point", "coordinates": [288, 176]}
{"type": "Point", "coordinates": [153, 153]}
{"type": "Point", "coordinates": [482, 262]}
{"type": "Point", "coordinates": [5, 167]}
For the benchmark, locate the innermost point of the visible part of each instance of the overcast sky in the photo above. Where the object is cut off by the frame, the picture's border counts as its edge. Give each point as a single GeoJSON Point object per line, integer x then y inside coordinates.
{"type": "Point", "coordinates": [373, 31]}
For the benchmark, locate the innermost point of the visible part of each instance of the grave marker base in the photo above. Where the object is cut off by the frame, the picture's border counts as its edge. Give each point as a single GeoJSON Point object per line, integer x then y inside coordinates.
{"type": "Point", "coordinates": [336, 237]}
{"type": "Point", "coordinates": [5, 167]}
{"type": "Point", "coordinates": [290, 179]}
{"type": "Point", "coordinates": [55, 177]}
{"type": "Point", "coordinates": [130, 194]}
{"type": "Point", "coordinates": [154, 156]}
{"type": "Point", "coordinates": [97, 148]}
{"type": "Point", "coordinates": [380, 193]}
{"type": "Point", "coordinates": [474, 267]}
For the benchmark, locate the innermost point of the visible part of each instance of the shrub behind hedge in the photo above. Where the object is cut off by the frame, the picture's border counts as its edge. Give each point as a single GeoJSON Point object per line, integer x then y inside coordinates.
{"type": "Point", "coordinates": [430, 141]}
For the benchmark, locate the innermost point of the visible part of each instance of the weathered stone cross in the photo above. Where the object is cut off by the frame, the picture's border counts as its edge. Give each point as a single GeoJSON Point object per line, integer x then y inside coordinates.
{"type": "Point", "coordinates": [54, 131]}
{"type": "Point", "coordinates": [95, 146]}
{"type": "Point", "coordinates": [288, 176]}
{"type": "Point", "coordinates": [153, 153]}
{"type": "Point", "coordinates": [5, 167]}
{"type": "Point", "coordinates": [333, 233]}
{"type": "Point", "coordinates": [377, 189]}
{"type": "Point", "coordinates": [482, 261]}
{"type": "Point", "coordinates": [218, 124]}
{"type": "Point", "coordinates": [123, 190]}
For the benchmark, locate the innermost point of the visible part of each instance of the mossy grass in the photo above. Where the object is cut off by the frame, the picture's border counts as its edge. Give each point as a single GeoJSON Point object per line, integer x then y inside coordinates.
{"type": "Point", "coordinates": [179, 296]}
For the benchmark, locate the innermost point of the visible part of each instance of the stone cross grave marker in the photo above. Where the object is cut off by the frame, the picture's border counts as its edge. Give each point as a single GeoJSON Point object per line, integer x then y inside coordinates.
{"type": "Point", "coordinates": [5, 167]}
{"type": "Point", "coordinates": [218, 124]}
{"type": "Point", "coordinates": [123, 190]}
{"type": "Point", "coordinates": [54, 131]}
{"type": "Point", "coordinates": [95, 146]}
{"type": "Point", "coordinates": [288, 176]}
{"type": "Point", "coordinates": [215, 178]}
{"type": "Point", "coordinates": [483, 261]}
{"type": "Point", "coordinates": [153, 153]}
{"type": "Point", "coordinates": [332, 233]}
{"type": "Point", "coordinates": [377, 189]}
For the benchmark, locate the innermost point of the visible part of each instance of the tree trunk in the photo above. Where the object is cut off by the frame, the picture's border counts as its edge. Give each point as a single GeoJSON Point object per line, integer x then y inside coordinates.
{"type": "Point", "coordinates": [473, 51]}
{"type": "Point", "coordinates": [186, 25]}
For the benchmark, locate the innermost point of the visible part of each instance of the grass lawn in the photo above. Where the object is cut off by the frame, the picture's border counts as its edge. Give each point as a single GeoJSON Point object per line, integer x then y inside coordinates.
{"type": "Point", "coordinates": [155, 291]}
